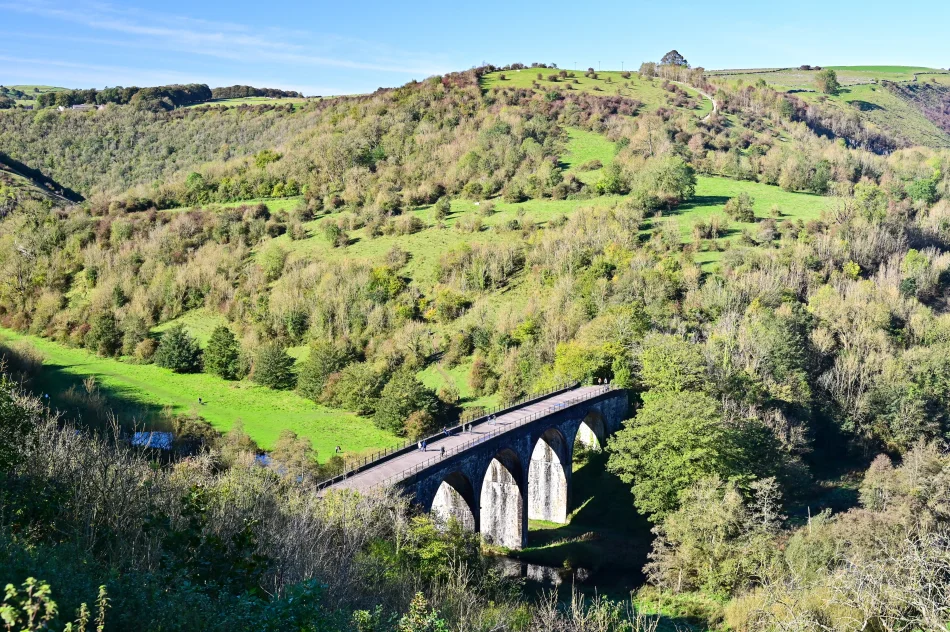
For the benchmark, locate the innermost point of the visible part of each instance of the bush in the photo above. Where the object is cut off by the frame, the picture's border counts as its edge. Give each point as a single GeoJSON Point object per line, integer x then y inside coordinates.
{"type": "Point", "coordinates": [403, 395]}
{"type": "Point", "coordinates": [591, 165]}
{"type": "Point", "coordinates": [145, 350]}
{"type": "Point", "coordinates": [420, 424]}
{"type": "Point", "coordinates": [481, 378]}
{"type": "Point", "coordinates": [442, 208]}
{"type": "Point", "coordinates": [334, 234]}
{"type": "Point", "coordinates": [827, 81]}
{"type": "Point", "coordinates": [740, 208]}
{"type": "Point", "coordinates": [273, 367]}
{"type": "Point", "coordinates": [922, 191]}
{"type": "Point", "coordinates": [222, 356]}
{"type": "Point", "coordinates": [513, 194]}
{"type": "Point", "coordinates": [134, 331]}
{"type": "Point", "coordinates": [324, 360]}
{"type": "Point", "coordinates": [104, 337]}
{"type": "Point", "coordinates": [356, 388]}
{"type": "Point", "coordinates": [178, 351]}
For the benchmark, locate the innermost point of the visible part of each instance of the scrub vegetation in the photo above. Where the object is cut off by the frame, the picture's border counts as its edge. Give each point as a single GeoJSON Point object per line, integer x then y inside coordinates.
{"type": "Point", "coordinates": [767, 279]}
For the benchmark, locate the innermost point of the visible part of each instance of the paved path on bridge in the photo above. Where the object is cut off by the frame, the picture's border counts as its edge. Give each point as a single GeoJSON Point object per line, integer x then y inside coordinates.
{"type": "Point", "coordinates": [390, 469]}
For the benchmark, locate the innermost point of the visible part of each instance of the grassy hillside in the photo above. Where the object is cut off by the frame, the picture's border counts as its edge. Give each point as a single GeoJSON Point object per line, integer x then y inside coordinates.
{"type": "Point", "coordinates": [33, 90]}
{"type": "Point", "coordinates": [140, 392]}
{"type": "Point", "coordinates": [427, 246]}
{"type": "Point", "coordinates": [607, 83]}
{"type": "Point", "coordinates": [583, 148]}
{"type": "Point", "coordinates": [797, 79]}
{"type": "Point", "coordinates": [861, 93]}
{"type": "Point", "coordinates": [230, 103]}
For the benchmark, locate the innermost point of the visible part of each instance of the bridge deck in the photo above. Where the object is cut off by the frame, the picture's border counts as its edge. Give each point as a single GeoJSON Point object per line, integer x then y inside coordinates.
{"type": "Point", "coordinates": [392, 468]}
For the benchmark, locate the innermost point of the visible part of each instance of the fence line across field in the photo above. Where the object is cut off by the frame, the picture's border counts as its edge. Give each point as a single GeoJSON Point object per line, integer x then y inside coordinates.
{"type": "Point", "coordinates": [406, 473]}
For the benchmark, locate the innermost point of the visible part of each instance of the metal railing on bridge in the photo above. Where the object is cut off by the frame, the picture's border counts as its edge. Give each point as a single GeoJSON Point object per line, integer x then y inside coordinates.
{"type": "Point", "coordinates": [407, 445]}
{"type": "Point", "coordinates": [410, 471]}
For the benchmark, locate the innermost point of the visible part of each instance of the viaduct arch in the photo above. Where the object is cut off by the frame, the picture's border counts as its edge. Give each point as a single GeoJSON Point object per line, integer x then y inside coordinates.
{"type": "Point", "coordinates": [518, 476]}
{"type": "Point", "coordinates": [502, 472]}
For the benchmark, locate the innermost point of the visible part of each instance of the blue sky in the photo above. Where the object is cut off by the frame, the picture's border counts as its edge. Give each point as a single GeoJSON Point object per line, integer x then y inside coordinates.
{"type": "Point", "coordinates": [347, 47]}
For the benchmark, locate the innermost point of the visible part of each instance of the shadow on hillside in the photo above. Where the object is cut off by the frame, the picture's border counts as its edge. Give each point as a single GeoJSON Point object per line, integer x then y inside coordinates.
{"type": "Point", "coordinates": [865, 106]}
{"type": "Point", "coordinates": [93, 404]}
{"type": "Point", "coordinates": [697, 201]}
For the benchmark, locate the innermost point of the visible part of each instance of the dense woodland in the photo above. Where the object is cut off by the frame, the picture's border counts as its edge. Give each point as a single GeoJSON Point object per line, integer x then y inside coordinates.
{"type": "Point", "coordinates": [814, 348]}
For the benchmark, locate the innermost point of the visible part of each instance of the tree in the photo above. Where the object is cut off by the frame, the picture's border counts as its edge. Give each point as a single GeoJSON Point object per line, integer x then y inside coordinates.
{"type": "Point", "coordinates": [670, 363]}
{"type": "Point", "coordinates": [675, 439]}
{"type": "Point", "coordinates": [673, 58]}
{"type": "Point", "coordinates": [273, 367]}
{"type": "Point", "coordinates": [324, 360]}
{"type": "Point", "coordinates": [923, 190]}
{"type": "Point", "coordinates": [178, 351]}
{"type": "Point", "coordinates": [222, 355]}
{"type": "Point", "coordinates": [236, 441]}
{"type": "Point", "coordinates": [104, 337]}
{"type": "Point", "coordinates": [647, 70]}
{"type": "Point", "coordinates": [294, 455]}
{"type": "Point", "coordinates": [358, 388]}
{"type": "Point", "coordinates": [665, 181]}
{"type": "Point", "coordinates": [740, 208]}
{"type": "Point", "coordinates": [827, 81]}
{"type": "Point", "coordinates": [403, 395]}
{"type": "Point", "coordinates": [716, 541]}
{"type": "Point", "coordinates": [334, 234]}
{"type": "Point", "coordinates": [134, 331]}
{"type": "Point", "coordinates": [442, 208]}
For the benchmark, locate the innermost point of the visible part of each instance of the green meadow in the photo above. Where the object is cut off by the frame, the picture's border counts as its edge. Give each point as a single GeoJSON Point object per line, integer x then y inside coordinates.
{"type": "Point", "coordinates": [231, 103]}
{"type": "Point", "coordinates": [794, 78]}
{"type": "Point", "coordinates": [583, 147]}
{"type": "Point", "coordinates": [607, 83]}
{"type": "Point", "coordinates": [860, 92]}
{"type": "Point", "coordinates": [141, 391]}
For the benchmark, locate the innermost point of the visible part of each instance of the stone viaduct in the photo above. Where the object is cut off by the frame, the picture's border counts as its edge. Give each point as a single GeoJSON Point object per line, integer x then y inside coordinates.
{"type": "Point", "coordinates": [505, 469]}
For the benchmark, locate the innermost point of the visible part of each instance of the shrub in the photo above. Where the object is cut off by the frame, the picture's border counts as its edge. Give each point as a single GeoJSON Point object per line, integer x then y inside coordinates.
{"type": "Point", "coordinates": [222, 356]}
{"type": "Point", "coordinates": [334, 234]}
{"type": "Point", "coordinates": [134, 331]}
{"type": "Point", "coordinates": [740, 208]}
{"type": "Point", "coordinates": [357, 388]}
{"type": "Point", "coordinates": [145, 350]}
{"type": "Point", "coordinates": [178, 351]}
{"type": "Point", "coordinates": [473, 190]}
{"type": "Point", "coordinates": [273, 367]}
{"type": "Point", "coordinates": [403, 395]}
{"type": "Point", "coordinates": [420, 424]}
{"type": "Point", "coordinates": [272, 260]}
{"type": "Point", "coordinates": [513, 194]}
{"type": "Point", "coordinates": [922, 191]}
{"type": "Point", "coordinates": [442, 208]}
{"type": "Point", "coordinates": [324, 360]}
{"type": "Point", "coordinates": [396, 257]}
{"type": "Point", "coordinates": [294, 455]}
{"type": "Point", "coordinates": [468, 224]}
{"type": "Point", "coordinates": [827, 81]}
{"type": "Point", "coordinates": [479, 377]}
{"type": "Point", "coordinates": [104, 337]}
{"type": "Point", "coordinates": [591, 165]}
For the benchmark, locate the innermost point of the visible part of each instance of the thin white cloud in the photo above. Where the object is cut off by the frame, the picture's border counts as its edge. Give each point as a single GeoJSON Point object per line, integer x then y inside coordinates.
{"type": "Point", "coordinates": [235, 42]}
